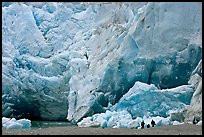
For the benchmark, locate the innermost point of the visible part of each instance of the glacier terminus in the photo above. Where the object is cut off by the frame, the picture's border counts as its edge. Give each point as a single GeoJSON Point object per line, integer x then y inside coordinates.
{"type": "Point", "coordinates": [105, 64]}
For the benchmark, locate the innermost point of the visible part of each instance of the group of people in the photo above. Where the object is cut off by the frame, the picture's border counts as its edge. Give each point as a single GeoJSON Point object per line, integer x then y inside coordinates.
{"type": "Point", "coordinates": [195, 121]}
{"type": "Point", "coordinates": [148, 125]}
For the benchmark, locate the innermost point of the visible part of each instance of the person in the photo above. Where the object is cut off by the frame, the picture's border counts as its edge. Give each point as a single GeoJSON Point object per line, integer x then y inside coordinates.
{"type": "Point", "coordinates": [195, 121]}
{"type": "Point", "coordinates": [142, 124]}
{"type": "Point", "coordinates": [148, 126]}
{"type": "Point", "coordinates": [152, 123]}
{"type": "Point", "coordinates": [85, 54]}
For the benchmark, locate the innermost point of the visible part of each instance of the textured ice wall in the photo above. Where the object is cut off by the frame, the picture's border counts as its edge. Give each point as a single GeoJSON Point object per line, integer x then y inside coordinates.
{"type": "Point", "coordinates": [35, 74]}
{"type": "Point", "coordinates": [147, 100]}
{"type": "Point", "coordinates": [143, 101]}
{"type": "Point", "coordinates": [52, 49]}
{"type": "Point", "coordinates": [155, 45]}
{"type": "Point", "coordinates": [195, 109]}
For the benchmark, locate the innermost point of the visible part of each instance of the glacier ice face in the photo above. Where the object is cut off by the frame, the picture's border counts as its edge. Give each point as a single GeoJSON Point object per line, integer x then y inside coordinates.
{"type": "Point", "coordinates": [72, 60]}
{"type": "Point", "coordinates": [169, 40]}
{"type": "Point", "coordinates": [195, 109]}
{"type": "Point", "coordinates": [33, 86]}
{"type": "Point", "coordinates": [149, 47]}
{"type": "Point", "coordinates": [146, 101]}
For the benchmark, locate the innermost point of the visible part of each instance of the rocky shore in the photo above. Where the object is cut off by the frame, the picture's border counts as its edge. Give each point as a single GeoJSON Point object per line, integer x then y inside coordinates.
{"type": "Point", "coordinates": [185, 129]}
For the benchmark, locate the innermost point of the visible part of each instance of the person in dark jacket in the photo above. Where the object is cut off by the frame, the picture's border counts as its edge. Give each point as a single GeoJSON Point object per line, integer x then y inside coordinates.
{"type": "Point", "coordinates": [195, 121]}
{"type": "Point", "coordinates": [142, 124]}
{"type": "Point", "coordinates": [152, 123]}
{"type": "Point", "coordinates": [148, 125]}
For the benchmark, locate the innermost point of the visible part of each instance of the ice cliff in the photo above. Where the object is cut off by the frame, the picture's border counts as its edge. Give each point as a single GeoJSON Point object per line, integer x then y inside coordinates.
{"type": "Point", "coordinates": [72, 60]}
{"type": "Point", "coordinates": [195, 109]}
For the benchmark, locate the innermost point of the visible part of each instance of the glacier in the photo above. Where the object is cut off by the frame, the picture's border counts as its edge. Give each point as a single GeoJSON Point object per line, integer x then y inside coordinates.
{"type": "Point", "coordinates": [195, 108]}
{"type": "Point", "coordinates": [146, 100]}
{"type": "Point", "coordinates": [64, 60]}
{"type": "Point", "coordinates": [143, 102]}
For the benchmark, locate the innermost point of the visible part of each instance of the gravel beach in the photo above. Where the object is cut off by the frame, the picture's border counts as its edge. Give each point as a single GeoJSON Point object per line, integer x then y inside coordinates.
{"type": "Point", "coordinates": [185, 129]}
